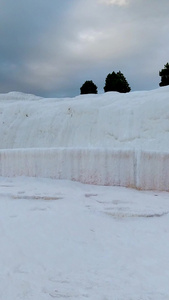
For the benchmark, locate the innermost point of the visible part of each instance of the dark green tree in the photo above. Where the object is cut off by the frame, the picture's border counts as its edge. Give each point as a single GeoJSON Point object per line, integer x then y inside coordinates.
{"type": "Point", "coordinates": [88, 88]}
{"type": "Point", "coordinates": [116, 82]}
{"type": "Point", "coordinates": [164, 73]}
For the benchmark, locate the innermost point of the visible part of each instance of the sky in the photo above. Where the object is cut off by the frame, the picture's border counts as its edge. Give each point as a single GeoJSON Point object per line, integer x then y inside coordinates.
{"type": "Point", "coordinates": [50, 48]}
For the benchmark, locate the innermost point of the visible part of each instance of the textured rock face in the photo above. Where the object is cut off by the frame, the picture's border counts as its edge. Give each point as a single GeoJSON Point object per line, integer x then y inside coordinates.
{"type": "Point", "coordinates": [138, 120]}
{"type": "Point", "coordinates": [136, 169]}
{"type": "Point", "coordinates": [109, 139]}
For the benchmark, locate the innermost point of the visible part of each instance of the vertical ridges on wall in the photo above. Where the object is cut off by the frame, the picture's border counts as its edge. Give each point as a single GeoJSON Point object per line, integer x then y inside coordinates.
{"type": "Point", "coordinates": [129, 168]}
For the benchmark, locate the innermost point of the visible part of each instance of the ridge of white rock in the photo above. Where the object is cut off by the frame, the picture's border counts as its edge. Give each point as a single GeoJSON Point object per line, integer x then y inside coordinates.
{"type": "Point", "coordinates": [107, 139]}
{"type": "Point", "coordinates": [135, 120]}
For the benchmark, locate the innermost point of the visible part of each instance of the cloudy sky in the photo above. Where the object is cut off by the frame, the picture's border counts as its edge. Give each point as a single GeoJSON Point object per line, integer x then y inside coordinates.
{"type": "Point", "coordinates": [50, 48]}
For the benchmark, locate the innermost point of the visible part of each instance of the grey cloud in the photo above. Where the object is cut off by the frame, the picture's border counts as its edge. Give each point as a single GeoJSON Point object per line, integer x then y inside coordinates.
{"type": "Point", "coordinates": [51, 48]}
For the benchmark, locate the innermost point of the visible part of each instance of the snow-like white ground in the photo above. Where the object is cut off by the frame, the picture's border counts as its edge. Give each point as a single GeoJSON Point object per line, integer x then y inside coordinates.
{"type": "Point", "coordinates": [61, 239]}
{"type": "Point", "coordinates": [67, 240]}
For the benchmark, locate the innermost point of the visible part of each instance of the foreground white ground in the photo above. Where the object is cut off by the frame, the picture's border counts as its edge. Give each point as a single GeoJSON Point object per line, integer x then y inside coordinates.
{"type": "Point", "coordinates": [66, 240]}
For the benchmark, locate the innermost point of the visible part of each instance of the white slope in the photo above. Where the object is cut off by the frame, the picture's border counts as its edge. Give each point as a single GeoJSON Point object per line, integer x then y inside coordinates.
{"type": "Point", "coordinates": [108, 139]}
{"type": "Point", "coordinates": [136, 120]}
{"type": "Point", "coordinates": [66, 240]}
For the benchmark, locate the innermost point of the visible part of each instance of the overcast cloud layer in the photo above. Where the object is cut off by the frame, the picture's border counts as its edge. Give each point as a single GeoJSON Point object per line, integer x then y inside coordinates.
{"type": "Point", "coordinates": [50, 48]}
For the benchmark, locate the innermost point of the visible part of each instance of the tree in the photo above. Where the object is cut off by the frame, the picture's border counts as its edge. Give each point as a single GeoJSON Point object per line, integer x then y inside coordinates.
{"type": "Point", "coordinates": [164, 73]}
{"type": "Point", "coordinates": [88, 88]}
{"type": "Point", "coordinates": [116, 82]}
